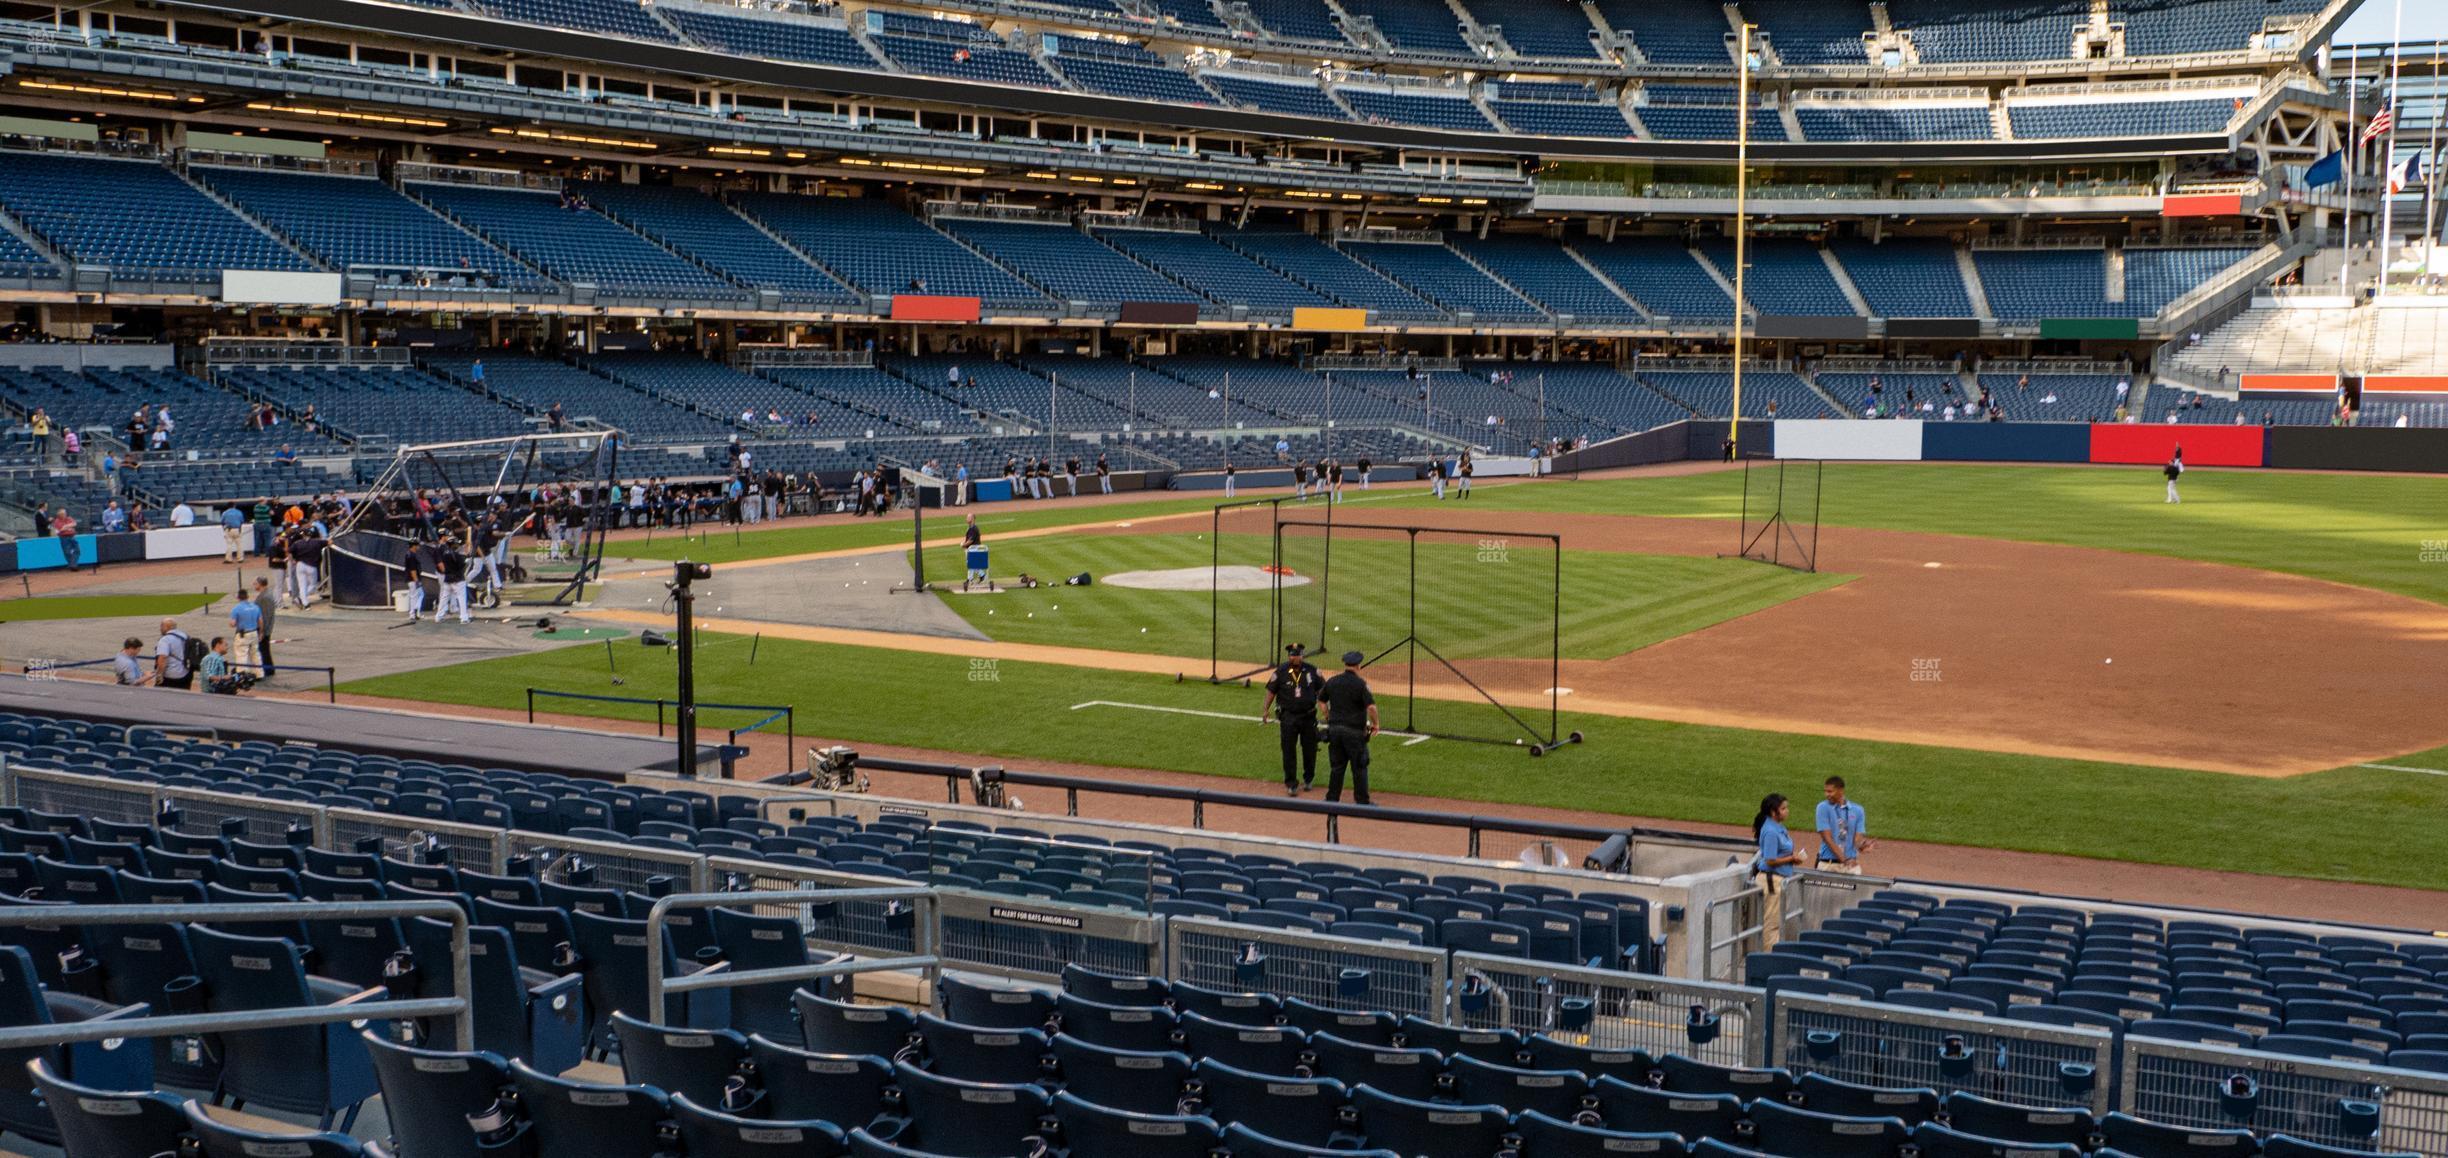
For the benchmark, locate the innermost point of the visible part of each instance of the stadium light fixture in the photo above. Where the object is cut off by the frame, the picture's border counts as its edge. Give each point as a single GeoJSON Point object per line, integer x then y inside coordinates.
{"type": "Point", "coordinates": [99, 90]}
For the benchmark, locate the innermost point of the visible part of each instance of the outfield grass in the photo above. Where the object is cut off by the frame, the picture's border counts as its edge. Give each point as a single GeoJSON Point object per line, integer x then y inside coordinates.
{"type": "Point", "coordinates": [719, 544]}
{"type": "Point", "coordinates": [1473, 600]}
{"type": "Point", "coordinates": [2366, 530]}
{"type": "Point", "coordinates": [2354, 824]}
{"type": "Point", "coordinates": [49, 607]}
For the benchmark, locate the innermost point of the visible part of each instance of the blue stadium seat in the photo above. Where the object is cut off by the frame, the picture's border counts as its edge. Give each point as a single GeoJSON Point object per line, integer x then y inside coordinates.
{"type": "Point", "coordinates": [1138, 1028]}
{"type": "Point", "coordinates": [1500, 1046]}
{"type": "Point", "coordinates": [831, 1026]}
{"type": "Point", "coordinates": [968, 1119]}
{"type": "Point", "coordinates": [1912, 1104]}
{"type": "Point", "coordinates": [1146, 1083]}
{"type": "Point", "coordinates": [1090, 1128]}
{"type": "Point", "coordinates": [313, 1069]}
{"type": "Point", "coordinates": [2045, 1125]}
{"type": "Point", "coordinates": [696, 1062]}
{"type": "Point", "coordinates": [1266, 1049]}
{"type": "Point", "coordinates": [429, 1095]}
{"type": "Point", "coordinates": [100, 1121]}
{"type": "Point", "coordinates": [995, 1006]}
{"type": "Point", "coordinates": [218, 1139]}
{"type": "Point", "coordinates": [1647, 1110]}
{"type": "Point", "coordinates": [2140, 1138]}
{"type": "Point", "coordinates": [1244, 1142]}
{"type": "Point", "coordinates": [1558, 1093]}
{"type": "Point", "coordinates": [519, 1012]}
{"type": "Point", "coordinates": [1783, 1129]}
{"type": "Point", "coordinates": [1937, 1141]}
{"type": "Point", "coordinates": [977, 1053]}
{"type": "Point", "coordinates": [1308, 1111]}
{"type": "Point", "coordinates": [1409, 1126]}
{"type": "Point", "coordinates": [711, 1133]}
{"type": "Point", "coordinates": [599, 1121]}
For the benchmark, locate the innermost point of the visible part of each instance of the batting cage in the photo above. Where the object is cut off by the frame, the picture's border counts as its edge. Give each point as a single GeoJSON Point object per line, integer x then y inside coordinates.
{"type": "Point", "coordinates": [1243, 614]}
{"type": "Point", "coordinates": [1780, 511]}
{"type": "Point", "coordinates": [1461, 630]}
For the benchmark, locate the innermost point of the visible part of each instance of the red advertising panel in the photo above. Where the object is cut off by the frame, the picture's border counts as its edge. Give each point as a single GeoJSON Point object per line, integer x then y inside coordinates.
{"type": "Point", "coordinates": [2405, 384]}
{"type": "Point", "coordinates": [925, 308]}
{"type": "Point", "coordinates": [2203, 205]}
{"type": "Point", "coordinates": [2288, 383]}
{"type": "Point", "coordinates": [2154, 442]}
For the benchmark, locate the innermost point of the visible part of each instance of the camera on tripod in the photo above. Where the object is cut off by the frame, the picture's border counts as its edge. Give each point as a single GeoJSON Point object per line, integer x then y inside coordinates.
{"type": "Point", "coordinates": [835, 769]}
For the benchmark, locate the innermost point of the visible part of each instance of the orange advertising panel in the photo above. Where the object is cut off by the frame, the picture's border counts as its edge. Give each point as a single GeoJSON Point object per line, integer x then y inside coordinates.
{"type": "Point", "coordinates": [926, 308]}
{"type": "Point", "coordinates": [2203, 205]}
{"type": "Point", "coordinates": [1311, 318]}
{"type": "Point", "coordinates": [2288, 383]}
{"type": "Point", "coordinates": [2405, 384]}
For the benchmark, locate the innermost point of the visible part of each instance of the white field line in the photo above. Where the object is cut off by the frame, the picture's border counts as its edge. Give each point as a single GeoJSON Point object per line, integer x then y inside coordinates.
{"type": "Point", "coordinates": [1409, 738]}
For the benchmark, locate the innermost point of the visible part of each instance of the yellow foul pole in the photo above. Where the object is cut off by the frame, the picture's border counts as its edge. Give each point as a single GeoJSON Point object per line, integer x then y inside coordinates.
{"type": "Point", "coordinates": [1742, 223]}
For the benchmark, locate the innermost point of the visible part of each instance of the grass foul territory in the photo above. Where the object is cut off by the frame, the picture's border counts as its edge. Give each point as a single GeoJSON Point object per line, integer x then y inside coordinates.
{"type": "Point", "coordinates": [1023, 711]}
{"type": "Point", "coordinates": [50, 607]}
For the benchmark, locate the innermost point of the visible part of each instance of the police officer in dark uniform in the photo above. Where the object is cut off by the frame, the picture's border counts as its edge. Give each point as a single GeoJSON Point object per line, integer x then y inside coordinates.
{"type": "Point", "coordinates": [1351, 718]}
{"type": "Point", "coordinates": [1292, 696]}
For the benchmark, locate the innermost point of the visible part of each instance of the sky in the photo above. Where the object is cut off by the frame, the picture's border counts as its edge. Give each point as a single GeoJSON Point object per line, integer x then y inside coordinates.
{"type": "Point", "coordinates": [2371, 24]}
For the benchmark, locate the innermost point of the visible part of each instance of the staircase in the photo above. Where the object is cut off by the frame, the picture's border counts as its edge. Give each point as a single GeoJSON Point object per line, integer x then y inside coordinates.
{"type": "Point", "coordinates": [2000, 125]}
{"type": "Point", "coordinates": [1723, 282]}
{"type": "Point", "coordinates": [2116, 275]}
{"type": "Point", "coordinates": [1972, 285]}
{"type": "Point", "coordinates": [1609, 283]}
{"type": "Point", "coordinates": [1844, 281]}
{"type": "Point", "coordinates": [293, 247]}
{"type": "Point", "coordinates": [787, 247]}
{"type": "Point", "coordinates": [1493, 276]}
{"type": "Point", "coordinates": [1812, 381]}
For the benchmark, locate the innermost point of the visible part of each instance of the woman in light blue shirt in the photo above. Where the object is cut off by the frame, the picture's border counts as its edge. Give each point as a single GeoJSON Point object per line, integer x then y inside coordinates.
{"type": "Point", "coordinates": [1775, 863]}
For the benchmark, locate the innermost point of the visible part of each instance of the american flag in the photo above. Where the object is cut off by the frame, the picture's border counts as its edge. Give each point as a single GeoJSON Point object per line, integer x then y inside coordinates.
{"type": "Point", "coordinates": [2381, 122]}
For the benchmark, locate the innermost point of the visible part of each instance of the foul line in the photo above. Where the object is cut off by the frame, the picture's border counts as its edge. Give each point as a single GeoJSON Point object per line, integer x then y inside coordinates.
{"type": "Point", "coordinates": [1410, 738]}
{"type": "Point", "coordinates": [2404, 768]}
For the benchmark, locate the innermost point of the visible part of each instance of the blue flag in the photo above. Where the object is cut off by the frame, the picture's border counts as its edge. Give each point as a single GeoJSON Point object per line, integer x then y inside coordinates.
{"type": "Point", "coordinates": [2328, 170]}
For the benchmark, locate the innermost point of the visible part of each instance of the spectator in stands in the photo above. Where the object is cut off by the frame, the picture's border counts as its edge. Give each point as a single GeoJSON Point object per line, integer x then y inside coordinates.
{"type": "Point", "coordinates": [138, 520]}
{"type": "Point", "coordinates": [1949, 412]}
{"type": "Point", "coordinates": [556, 419]}
{"type": "Point", "coordinates": [170, 658]}
{"type": "Point", "coordinates": [128, 665]}
{"type": "Point", "coordinates": [139, 428]}
{"type": "Point", "coordinates": [2223, 375]}
{"type": "Point", "coordinates": [218, 679]}
{"type": "Point", "coordinates": [2123, 386]}
{"type": "Point", "coordinates": [64, 527]}
{"type": "Point", "coordinates": [74, 447]}
{"type": "Point", "coordinates": [114, 518]}
{"type": "Point", "coordinates": [163, 428]}
{"type": "Point", "coordinates": [1774, 865]}
{"type": "Point", "coordinates": [1283, 449]}
{"type": "Point", "coordinates": [1843, 830]}
{"type": "Point", "coordinates": [39, 425]}
{"type": "Point", "coordinates": [309, 421]}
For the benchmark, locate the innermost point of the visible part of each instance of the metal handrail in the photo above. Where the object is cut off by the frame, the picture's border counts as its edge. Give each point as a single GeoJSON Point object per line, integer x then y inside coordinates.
{"type": "Point", "coordinates": [658, 986]}
{"type": "Point", "coordinates": [1199, 798]}
{"type": "Point", "coordinates": [458, 1007]}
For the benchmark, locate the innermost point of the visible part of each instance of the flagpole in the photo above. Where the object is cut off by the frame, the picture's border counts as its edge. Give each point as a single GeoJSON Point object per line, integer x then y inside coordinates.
{"type": "Point", "coordinates": [2431, 167]}
{"type": "Point", "coordinates": [2352, 149]}
{"type": "Point", "coordinates": [2388, 191]}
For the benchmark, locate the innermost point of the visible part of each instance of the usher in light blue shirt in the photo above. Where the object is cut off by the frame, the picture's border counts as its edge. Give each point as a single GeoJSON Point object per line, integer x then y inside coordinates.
{"type": "Point", "coordinates": [1774, 842]}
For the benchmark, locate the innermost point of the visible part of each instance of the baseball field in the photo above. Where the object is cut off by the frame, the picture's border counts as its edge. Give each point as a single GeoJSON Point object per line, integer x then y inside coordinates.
{"type": "Point", "coordinates": [2024, 658]}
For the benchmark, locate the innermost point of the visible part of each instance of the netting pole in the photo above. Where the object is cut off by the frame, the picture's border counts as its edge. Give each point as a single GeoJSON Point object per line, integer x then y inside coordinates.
{"type": "Point", "coordinates": [1215, 599]}
{"type": "Point", "coordinates": [1818, 497]}
{"type": "Point", "coordinates": [1411, 631]}
{"type": "Point", "coordinates": [1742, 527]}
{"type": "Point", "coordinates": [1555, 643]}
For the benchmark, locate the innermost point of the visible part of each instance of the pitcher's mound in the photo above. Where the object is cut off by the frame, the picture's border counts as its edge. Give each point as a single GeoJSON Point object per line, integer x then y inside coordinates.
{"type": "Point", "coordinates": [1232, 578]}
